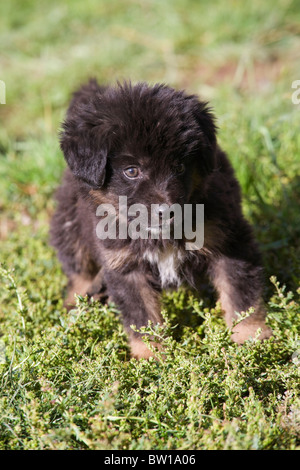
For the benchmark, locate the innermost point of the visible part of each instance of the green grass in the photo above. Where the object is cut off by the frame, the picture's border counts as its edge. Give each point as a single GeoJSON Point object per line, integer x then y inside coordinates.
{"type": "Point", "coordinates": [67, 380]}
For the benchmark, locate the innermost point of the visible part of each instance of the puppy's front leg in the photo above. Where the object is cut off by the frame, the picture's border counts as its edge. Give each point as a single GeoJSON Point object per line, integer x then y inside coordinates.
{"type": "Point", "coordinates": [138, 302]}
{"type": "Point", "coordinates": [238, 283]}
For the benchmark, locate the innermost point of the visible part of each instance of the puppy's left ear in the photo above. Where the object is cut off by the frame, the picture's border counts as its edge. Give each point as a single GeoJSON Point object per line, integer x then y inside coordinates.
{"type": "Point", "coordinates": [206, 121]}
{"type": "Point", "coordinates": [84, 154]}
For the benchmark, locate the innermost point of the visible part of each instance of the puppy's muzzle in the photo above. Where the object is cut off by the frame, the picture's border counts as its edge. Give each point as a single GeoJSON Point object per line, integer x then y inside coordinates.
{"type": "Point", "coordinates": [164, 220]}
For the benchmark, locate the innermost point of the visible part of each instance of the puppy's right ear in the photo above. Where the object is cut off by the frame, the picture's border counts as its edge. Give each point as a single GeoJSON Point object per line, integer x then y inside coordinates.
{"type": "Point", "coordinates": [206, 122]}
{"type": "Point", "coordinates": [84, 153]}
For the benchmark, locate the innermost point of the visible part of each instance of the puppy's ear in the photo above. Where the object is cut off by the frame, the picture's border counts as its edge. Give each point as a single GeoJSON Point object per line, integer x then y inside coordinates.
{"type": "Point", "coordinates": [206, 121]}
{"type": "Point", "coordinates": [84, 153]}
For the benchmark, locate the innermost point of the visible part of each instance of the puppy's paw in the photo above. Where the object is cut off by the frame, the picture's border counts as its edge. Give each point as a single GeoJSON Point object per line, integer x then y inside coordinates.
{"type": "Point", "coordinates": [248, 329]}
{"type": "Point", "coordinates": [140, 350]}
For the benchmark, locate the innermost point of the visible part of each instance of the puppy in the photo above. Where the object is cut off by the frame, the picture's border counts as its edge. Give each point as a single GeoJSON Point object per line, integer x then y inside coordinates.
{"type": "Point", "coordinates": [156, 147]}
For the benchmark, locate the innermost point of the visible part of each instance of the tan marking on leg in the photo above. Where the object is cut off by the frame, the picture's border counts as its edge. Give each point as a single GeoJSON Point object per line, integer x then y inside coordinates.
{"type": "Point", "coordinates": [247, 328]}
{"type": "Point", "coordinates": [150, 298]}
{"type": "Point", "coordinates": [225, 290]}
{"type": "Point", "coordinates": [231, 303]}
{"type": "Point", "coordinates": [78, 285]}
{"type": "Point", "coordinates": [140, 350]}
{"type": "Point", "coordinates": [151, 302]}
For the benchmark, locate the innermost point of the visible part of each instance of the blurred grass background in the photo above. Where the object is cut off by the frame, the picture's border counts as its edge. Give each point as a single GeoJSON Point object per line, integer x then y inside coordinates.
{"type": "Point", "coordinates": [243, 58]}
{"type": "Point", "coordinates": [47, 50]}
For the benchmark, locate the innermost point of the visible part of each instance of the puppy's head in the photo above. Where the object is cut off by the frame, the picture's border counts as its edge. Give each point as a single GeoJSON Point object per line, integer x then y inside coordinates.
{"type": "Point", "coordinates": [143, 142]}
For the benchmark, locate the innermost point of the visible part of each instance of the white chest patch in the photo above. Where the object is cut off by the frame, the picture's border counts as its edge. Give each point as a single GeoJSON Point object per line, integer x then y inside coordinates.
{"type": "Point", "coordinates": [168, 263]}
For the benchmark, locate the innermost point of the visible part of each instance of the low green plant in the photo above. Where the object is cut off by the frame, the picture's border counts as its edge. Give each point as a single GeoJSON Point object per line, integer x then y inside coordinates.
{"type": "Point", "coordinates": [67, 380]}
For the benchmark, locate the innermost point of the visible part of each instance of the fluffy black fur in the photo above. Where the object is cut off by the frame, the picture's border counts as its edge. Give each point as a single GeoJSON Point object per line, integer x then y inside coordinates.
{"type": "Point", "coordinates": [170, 137]}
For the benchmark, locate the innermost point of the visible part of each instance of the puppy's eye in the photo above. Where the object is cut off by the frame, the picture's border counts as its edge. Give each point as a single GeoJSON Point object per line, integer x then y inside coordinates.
{"type": "Point", "coordinates": [180, 168]}
{"type": "Point", "coordinates": [132, 172]}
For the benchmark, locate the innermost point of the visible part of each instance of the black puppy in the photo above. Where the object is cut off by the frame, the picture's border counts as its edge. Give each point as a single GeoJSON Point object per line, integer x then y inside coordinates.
{"type": "Point", "coordinates": [157, 147]}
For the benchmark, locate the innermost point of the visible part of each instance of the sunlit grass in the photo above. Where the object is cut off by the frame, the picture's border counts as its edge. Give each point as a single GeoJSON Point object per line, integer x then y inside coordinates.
{"type": "Point", "coordinates": [67, 380]}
